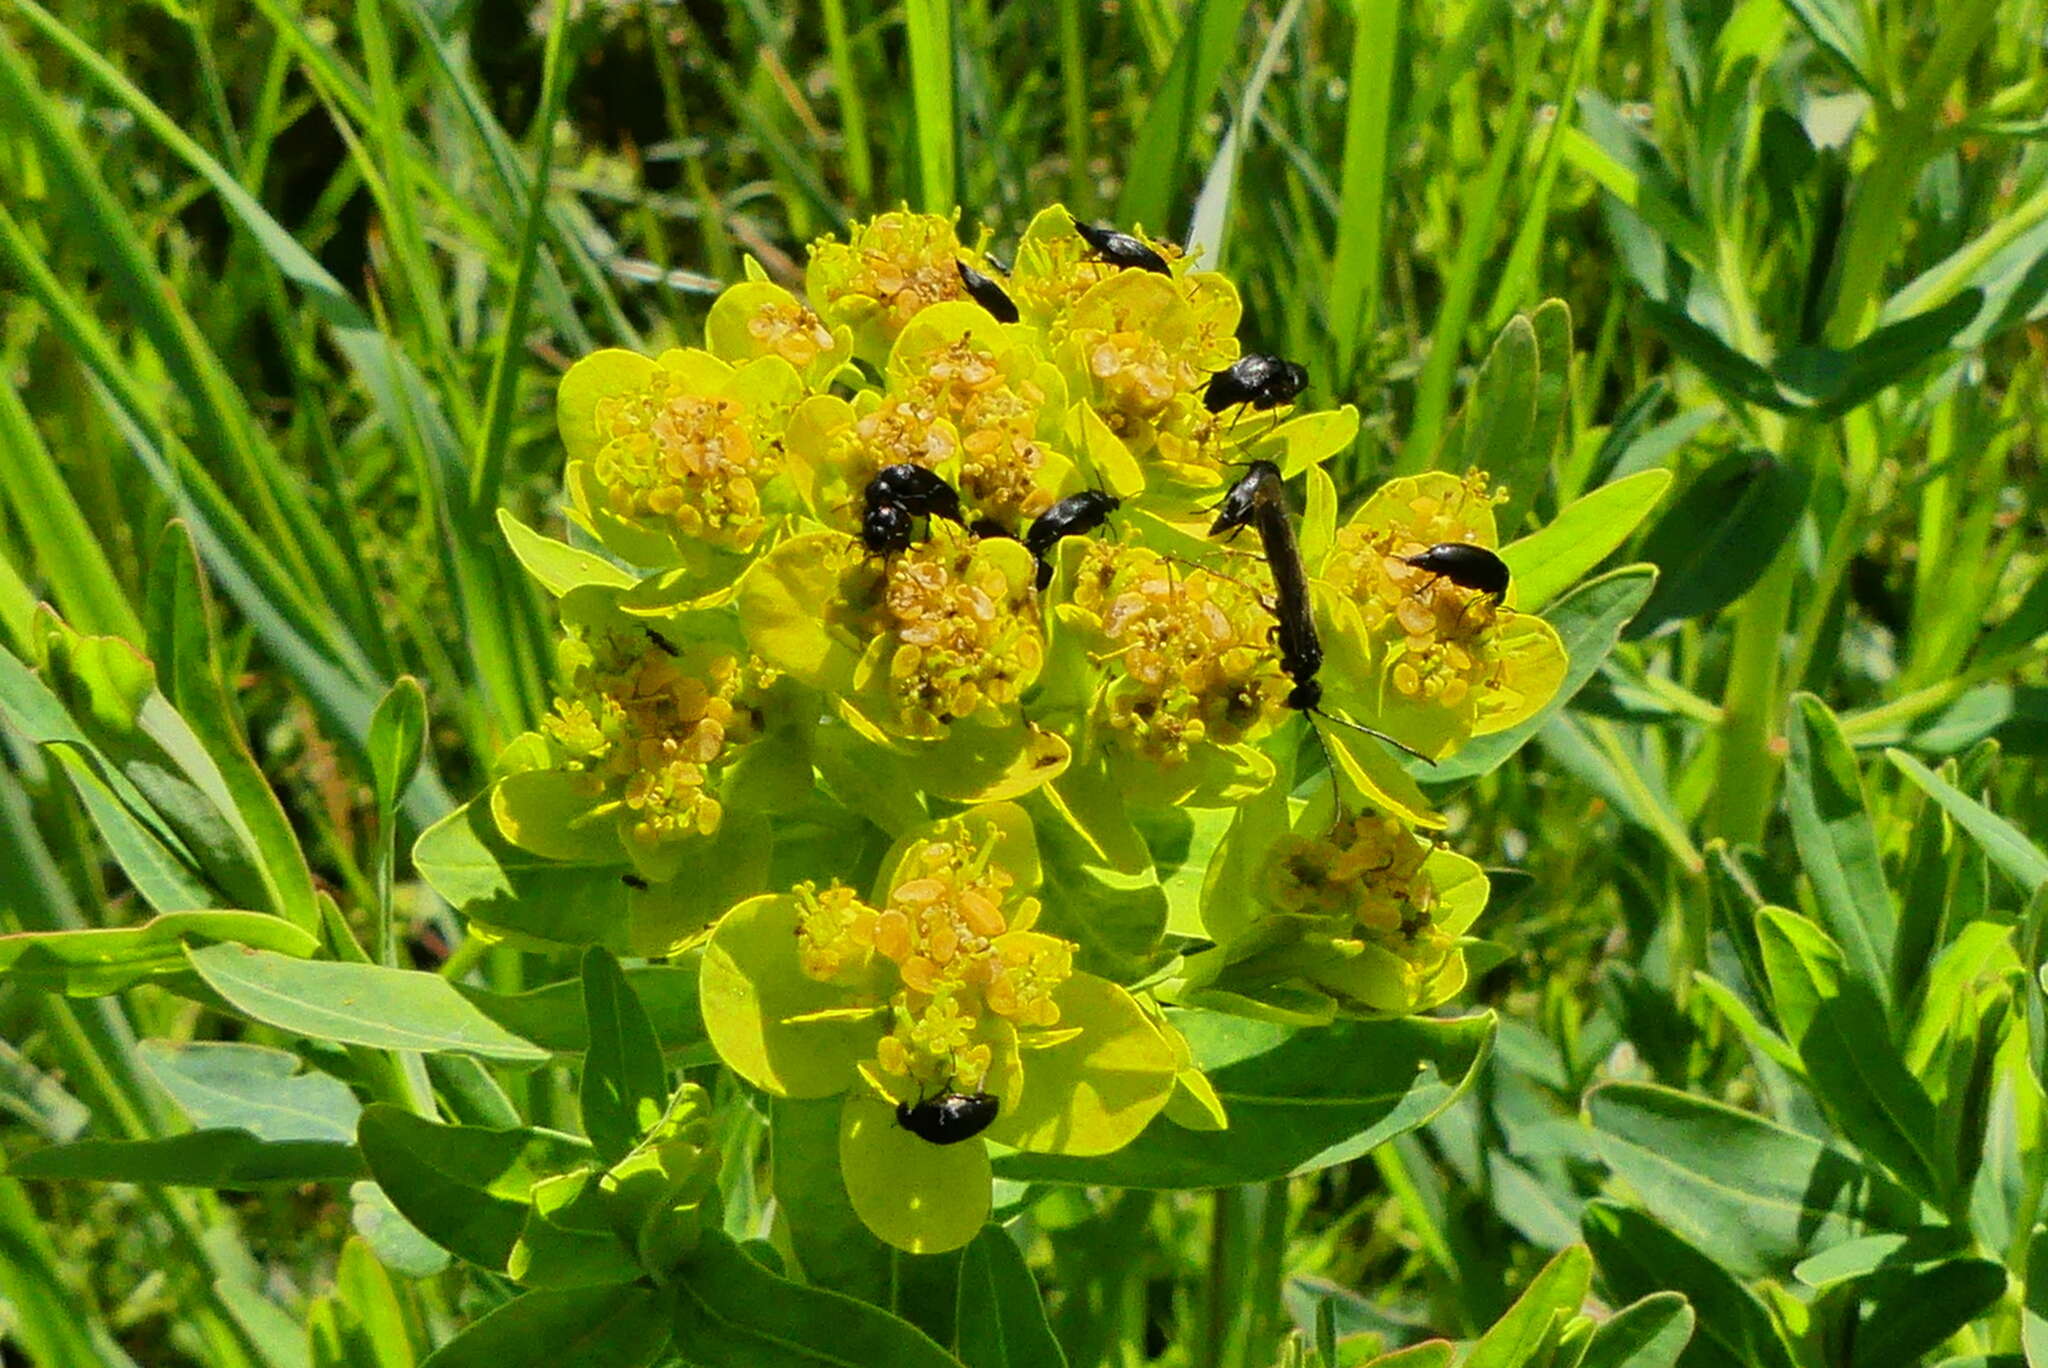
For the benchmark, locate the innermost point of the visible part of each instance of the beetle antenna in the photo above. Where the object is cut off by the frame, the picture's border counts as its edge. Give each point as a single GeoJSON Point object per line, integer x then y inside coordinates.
{"type": "Point", "coordinates": [1397, 744]}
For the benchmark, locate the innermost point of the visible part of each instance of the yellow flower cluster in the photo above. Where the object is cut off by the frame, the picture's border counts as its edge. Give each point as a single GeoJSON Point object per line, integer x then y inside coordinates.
{"type": "Point", "coordinates": [890, 269]}
{"type": "Point", "coordinates": [1187, 649]}
{"type": "Point", "coordinates": [967, 632]}
{"type": "Point", "coordinates": [960, 943]}
{"type": "Point", "coordinates": [996, 416]}
{"type": "Point", "coordinates": [649, 724]}
{"type": "Point", "coordinates": [1362, 880]}
{"type": "Point", "coordinates": [688, 460]}
{"type": "Point", "coordinates": [1446, 635]}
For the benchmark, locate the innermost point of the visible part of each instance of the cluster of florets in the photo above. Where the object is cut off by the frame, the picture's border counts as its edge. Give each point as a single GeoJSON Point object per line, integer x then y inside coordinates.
{"type": "Point", "coordinates": [649, 723]}
{"type": "Point", "coordinates": [1186, 653]}
{"type": "Point", "coordinates": [928, 546]}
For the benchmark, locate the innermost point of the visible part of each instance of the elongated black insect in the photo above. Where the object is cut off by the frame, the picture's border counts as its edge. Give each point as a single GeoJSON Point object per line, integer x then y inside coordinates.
{"type": "Point", "coordinates": [1264, 382]}
{"type": "Point", "coordinates": [984, 291]}
{"type": "Point", "coordinates": [1467, 566]}
{"type": "Point", "coordinates": [1074, 516]}
{"type": "Point", "coordinates": [1119, 248]}
{"type": "Point", "coordinates": [950, 1117]}
{"type": "Point", "coordinates": [1259, 500]}
{"type": "Point", "coordinates": [662, 643]}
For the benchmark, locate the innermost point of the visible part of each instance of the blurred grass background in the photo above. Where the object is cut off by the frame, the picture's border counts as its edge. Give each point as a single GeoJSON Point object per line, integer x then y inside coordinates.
{"type": "Point", "coordinates": [305, 275]}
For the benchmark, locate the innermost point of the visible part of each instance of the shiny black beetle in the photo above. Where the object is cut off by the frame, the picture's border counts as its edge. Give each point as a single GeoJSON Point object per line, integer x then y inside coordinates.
{"type": "Point", "coordinates": [1264, 382]}
{"type": "Point", "coordinates": [1074, 516]}
{"type": "Point", "coordinates": [950, 1117]}
{"type": "Point", "coordinates": [1467, 566]}
{"type": "Point", "coordinates": [1119, 248]}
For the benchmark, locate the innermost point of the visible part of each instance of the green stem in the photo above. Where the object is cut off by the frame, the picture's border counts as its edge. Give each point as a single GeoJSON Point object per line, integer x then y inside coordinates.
{"type": "Point", "coordinates": [1747, 766]}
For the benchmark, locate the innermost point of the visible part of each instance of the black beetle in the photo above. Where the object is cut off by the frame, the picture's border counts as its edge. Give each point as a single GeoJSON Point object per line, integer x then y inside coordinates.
{"type": "Point", "coordinates": [985, 292]}
{"type": "Point", "coordinates": [885, 527]}
{"type": "Point", "coordinates": [950, 1117]}
{"type": "Point", "coordinates": [1467, 566]}
{"type": "Point", "coordinates": [915, 490]}
{"type": "Point", "coordinates": [1264, 382]}
{"type": "Point", "coordinates": [1120, 249]}
{"type": "Point", "coordinates": [1074, 516]}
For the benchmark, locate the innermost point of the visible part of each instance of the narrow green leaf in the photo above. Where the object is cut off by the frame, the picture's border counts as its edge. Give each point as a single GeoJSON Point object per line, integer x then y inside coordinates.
{"type": "Point", "coordinates": [220, 1158]}
{"type": "Point", "coordinates": [65, 552]}
{"type": "Point", "coordinates": [1715, 540]}
{"type": "Point", "coordinates": [397, 1242]}
{"type": "Point", "coordinates": [465, 1188]}
{"type": "Point", "coordinates": [1830, 383]}
{"type": "Point", "coordinates": [1357, 273]}
{"type": "Point", "coordinates": [1000, 1322]}
{"type": "Point", "coordinates": [1914, 1314]}
{"type": "Point", "coordinates": [1837, 843]}
{"type": "Point", "coordinates": [398, 732]}
{"type": "Point", "coordinates": [230, 1084]}
{"type": "Point", "coordinates": [1298, 1101]}
{"type": "Point", "coordinates": [1588, 530]}
{"type": "Point", "coordinates": [1552, 1297]}
{"type": "Point", "coordinates": [552, 1016]}
{"type": "Point", "coordinates": [465, 859]}
{"type": "Point", "coordinates": [731, 1310]}
{"type": "Point", "coordinates": [358, 1004]}
{"type": "Point", "coordinates": [163, 875]}
{"type": "Point", "coordinates": [619, 1327]}
{"type": "Point", "coordinates": [1838, 1026]}
{"type": "Point", "coordinates": [1180, 104]}
{"type": "Point", "coordinates": [1651, 1333]}
{"type": "Point", "coordinates": [625, 1083]}
{"type": "Point", "coordinates": [47, 1318]}
{"type": "Point", "coordinates": [1590, 621]}
{"type": "Point", "coordinates": [1638, 1258]}
{"type": "Point", "coordinates": [930, 26]}
{"type": "Point", "coordinates": [558, 566]}
{"type": "Point", "coordinates": [1754, 1196]}
{"type": "Point", "coordinates": [100, 960]}
{"type": "Point", "coordinates": [2009, 849]}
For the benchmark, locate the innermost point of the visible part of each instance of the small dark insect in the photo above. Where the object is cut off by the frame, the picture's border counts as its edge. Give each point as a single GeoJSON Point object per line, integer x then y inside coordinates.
{"type": "Point", "coordinates": [915, 490]}
{"type": "Point", "coordinates": [985, 292]}
{"type": "Point", "coordinates": [1264, 382]}
{"type": "Point", "coordinates": [1467, 566]}
{"type": "Point", "coordinates": [1074, 516]}
{"type": "Point", "coordinates": [885, 527]}
{"type": "Point", "coordinates": [1259, 500]}
{"type": "Point", "coordinates": [662, 643]}
{"type": "Point", "coordinates": [950, 1117]}
{"type": "Point", "coordinates": [634, 882]}
{"type": "Point", "coordinates": [989, 527]}
{"type": "Point", "coordinates": [1120, 249]}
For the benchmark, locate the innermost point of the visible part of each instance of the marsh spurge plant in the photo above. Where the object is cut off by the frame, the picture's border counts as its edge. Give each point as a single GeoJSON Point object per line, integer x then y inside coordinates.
{"type": "Point", "coordinates": [752, 682]}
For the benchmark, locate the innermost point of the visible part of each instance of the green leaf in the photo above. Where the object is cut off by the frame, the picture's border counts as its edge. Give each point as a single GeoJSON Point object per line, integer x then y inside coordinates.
{"type": "Point", "coordinates": [1837, 25]}
{"type": "Point", "coordinates": [1734, 374]}
{"type": "Point", "coordinates": [228, 1084]}
{"type": "Point", "coordinates": [1637, 1258]}
{"type": "Point", "coordinates": [1298, 1101]}
{"type": "Point", "coordinates": [625, 1082]}
{"type": "Point", "coordinates": [358, 1004]}
{"type": "Point", "coordinates": [1839, 1029]}
{"type": "Point", "coordinates": [1651, 1333]}
{"type": "Point", "coordinates": [1754, 1196]}
{"type": "Point", "coordinates": [101, 960]}
{"type": "Point", "coordinates": [1912, 1314]}
{"type": "Point", "coordinates": [832, 1245]}
{"type": "Point", "coordinates": [397, 1242]}
{"type": "Point", "coordinates": [1715, 540]}
{"type": "Point", "coordinates": [733, 1313]}
{"type": "Point", "coordinates": [2009, 849]}
{"type": "Point", "coordinates": [1829, 383]}
{"type": "Point", "coordinates": [1838, 843]}
{"type": "Point", "coordinates": [465, 1188]}
{"type": "Point", "coordinates": [558, 566]}
{"type": "Point", "coordinates": [398, 732]}
{"type": "Point", "coordinates": [1550, 560]}
{"type": "Point", "coordinates": [1589, 621]}
{"type": "Point", "coordinates": [1000, 1321]}
{"type": "Point", "coordinates": [489, 880]}
{"type": "Point", "coordinates": [1177, 111]}
{"type": "Point", "coordinates": [219, 1158]}
{"type": "Point", "coordinates": [552, 1016]}
{"type": "Point", "coordinates": [619, 1327]}
{"type": "Point", "coordinates": [1552, 1297]}
{"type": "Point", "coordinates": [1496, 429]}
{"type": "Point", "coordinates": [161, 872]}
